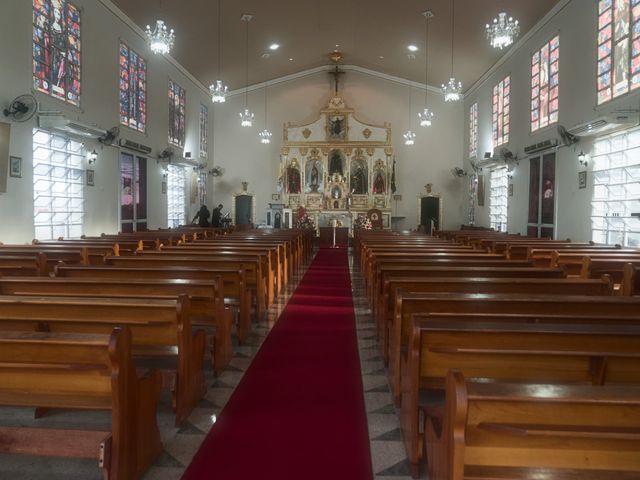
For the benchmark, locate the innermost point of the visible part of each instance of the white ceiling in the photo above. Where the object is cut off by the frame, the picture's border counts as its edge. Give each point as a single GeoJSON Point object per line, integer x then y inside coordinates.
{"type": "Point", "coordinates": [308, 30]}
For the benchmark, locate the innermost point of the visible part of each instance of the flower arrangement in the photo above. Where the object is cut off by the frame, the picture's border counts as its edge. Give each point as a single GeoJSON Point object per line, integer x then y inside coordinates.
{"type": "Point", "coordinates": [363, 222]}
{"type": "Point", "coordinates": [305, 222]}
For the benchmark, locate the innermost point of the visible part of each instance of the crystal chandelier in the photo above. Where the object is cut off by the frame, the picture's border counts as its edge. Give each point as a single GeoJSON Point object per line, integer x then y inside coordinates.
{"type": "Point", "coordinates": [409, 138]}
{"type": "Point", "coordinates": [246, 118]}
{"type": "Point", "coordinates": [426, 116]}
{"type": "Point", "coordinates": [452, 91]}
{"type": "Point", "coordinates": [503, 31]}
{"type": "Point", "coordinates": [265, 136]}
{"type": "Point", "coordinates": [219, 90]}
{"type": "Point", "coordinates": [160, 39]}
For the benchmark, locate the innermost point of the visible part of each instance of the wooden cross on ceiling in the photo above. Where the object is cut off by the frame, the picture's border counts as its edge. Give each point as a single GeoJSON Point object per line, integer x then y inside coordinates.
{"type": "Point", "coordinates": [336, 76]}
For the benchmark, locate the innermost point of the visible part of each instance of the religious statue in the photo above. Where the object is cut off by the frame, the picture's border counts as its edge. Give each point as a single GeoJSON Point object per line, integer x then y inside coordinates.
{"type": "Point", "coordinates": [359, 181]}
{"type": "Point", "coordinates": [379, 187]}
{"type": "Point", "coordinates": [337, 127]}
{"type": "Point", "coordinates": [335, 163]}
{"type": "Point", "coordinates": [313, 176]}
{"type": "Point", "coordinates": [293, 179]}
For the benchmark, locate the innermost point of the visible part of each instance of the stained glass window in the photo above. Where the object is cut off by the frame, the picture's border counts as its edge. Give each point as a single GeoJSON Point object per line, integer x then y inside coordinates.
{"type": "Point", "coordinates": [58, 186]}
{"type": "Point", "coordinates": [501, 100]}
{"type": "Point", "coordinates": [545, 71]}
{"type": "Point", "coordinates": [204, 131]}
{"type": "Point", "coordinates": [177, 107]}
{"type": "Point", "coordinates": [473, 131]}
{"type": "Point", "coordinates": [56, 49]}
{"type": "Point", "coordinates": [133, 89]}
{"type": "Point", "coordinates": [618, 48]}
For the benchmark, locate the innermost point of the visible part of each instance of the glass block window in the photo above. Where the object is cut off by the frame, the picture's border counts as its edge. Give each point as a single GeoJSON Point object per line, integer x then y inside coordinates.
{"type": "Point", "coordinates": [616, 189]}
{"type": "Point", "coordinates": [133, 89]}
{"type": "Point", "coordinates": [545, 71]}
{"type": "Point", "coordinates": [498, 199]}
{"type": "Point", "coordinates": [177, 114]}
{"type": "Point", "coordinates": [473, 131]}
{"type": "Point", "coordinates": [618, 48]}
{"type": "Point", "coordinates": [501, 105]}
{"type": "Point", "coordinates": [56, 49]}
{"type": "Point", "coordinates": [176, 196]}
{"type": "Point", "coordinates": [204, 131]}
{"type": "Point", "coordinates": [58, 186]}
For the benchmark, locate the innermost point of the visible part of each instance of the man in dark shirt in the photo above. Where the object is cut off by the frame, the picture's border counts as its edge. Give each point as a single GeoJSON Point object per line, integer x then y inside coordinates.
{"type": "Point", "coordinates": [216, 216]}
{"type": "Point", "coordinates": [202, 216]}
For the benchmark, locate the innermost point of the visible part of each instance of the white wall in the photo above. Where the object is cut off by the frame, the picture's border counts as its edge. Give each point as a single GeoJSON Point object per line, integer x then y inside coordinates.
{"type": "Point", "coordinates": [101, 33]}
{"type": "Point", "coordinates": [576, 22]}
{"type": "Point", "coordinates": [238, 150]}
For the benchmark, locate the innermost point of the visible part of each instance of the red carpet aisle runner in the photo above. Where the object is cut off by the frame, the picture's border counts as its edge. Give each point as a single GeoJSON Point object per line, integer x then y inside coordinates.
{"type": "Point", "coordinates": [299, 411]}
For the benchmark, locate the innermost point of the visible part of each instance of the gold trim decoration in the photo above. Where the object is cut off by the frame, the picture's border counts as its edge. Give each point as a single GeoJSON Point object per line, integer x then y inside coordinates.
{"type": "Point", "coordinates": [304, 151]}
{"type": "Point", "coordinates": [306, 133]}
{"type": "Point", "coordinates": [366, 133]}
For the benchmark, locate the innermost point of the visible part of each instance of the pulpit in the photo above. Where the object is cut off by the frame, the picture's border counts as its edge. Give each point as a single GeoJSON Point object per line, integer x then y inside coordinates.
{"type": "Point", "coordinates": [326, 236]}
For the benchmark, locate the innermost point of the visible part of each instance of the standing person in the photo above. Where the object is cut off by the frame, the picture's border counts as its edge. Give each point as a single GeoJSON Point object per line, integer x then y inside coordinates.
{"type": "Point", "coordinates": [202, 216]}
{"type": "Point", "coordinates": [216, 216]}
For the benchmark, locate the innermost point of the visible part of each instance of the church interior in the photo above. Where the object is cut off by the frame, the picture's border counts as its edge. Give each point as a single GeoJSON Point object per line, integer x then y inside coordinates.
{"type": "Point", "coordinates": [309, 240]}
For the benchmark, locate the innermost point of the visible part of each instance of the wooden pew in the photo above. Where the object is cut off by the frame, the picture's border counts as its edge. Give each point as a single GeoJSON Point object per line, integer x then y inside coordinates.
{"type": "Point", "coordinates": [255, 277]}
{"type": "Point", "coordinates": [398, 329]}
{"type": "Point", "coordinates": [206, 302]}
{"type": "Point", "coordinates": [80, 371]}
{"type": "Point", "coordinates": [70, 256]}
{"type": "Point", "coordinates": [613, 267]}
{"type": "Point", "coordinates": [233, 280]}
{"type": "Point", "coordinates": [24, 265]}
{"type": "Point", "coordinates": [630, 281]}
{"type": "Point", "coordinates": [574, 262]}
{"type": "Point", "coordinates": [514, 304]}
{"type": "Point", "coordinates": [160, 330]}
{"type": "Point", "coordinates": [492, 431]}
{"type": "Point", "coordinates": [542, 255]}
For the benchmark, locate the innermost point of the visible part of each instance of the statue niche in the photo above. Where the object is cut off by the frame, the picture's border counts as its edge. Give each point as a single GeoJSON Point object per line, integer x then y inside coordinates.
{"type": "Point", "coordinates": [359, 177]}
{"type": "Point", "coordinates": [336, 163]}
{"type": "Point", "coordinates": [314, 176]}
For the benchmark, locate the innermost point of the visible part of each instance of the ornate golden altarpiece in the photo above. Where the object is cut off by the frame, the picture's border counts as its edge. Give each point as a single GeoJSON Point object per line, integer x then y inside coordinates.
{"type": "Point", "coordinates": [337, 167]}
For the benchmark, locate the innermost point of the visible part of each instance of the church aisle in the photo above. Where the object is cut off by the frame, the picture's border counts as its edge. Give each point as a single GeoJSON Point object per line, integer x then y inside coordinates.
{"type": "Point", "coordinates": [299, 411]}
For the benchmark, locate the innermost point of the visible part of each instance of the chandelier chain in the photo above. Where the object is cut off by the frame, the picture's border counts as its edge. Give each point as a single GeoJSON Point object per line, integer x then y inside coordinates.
{"type": "Point", "coordinates": [219, 37]}
{"type": "Point", "coordinates": [246, 84]}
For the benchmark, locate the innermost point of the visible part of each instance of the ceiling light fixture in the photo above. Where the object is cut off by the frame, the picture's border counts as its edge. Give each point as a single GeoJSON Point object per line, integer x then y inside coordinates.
{"type": "Point", "coordinates": [453, 89]}
{"type": "Point", "coordinates": [426, 116]}
{"type": "Point", "coordinates": [265, 135]}
{"type": "Point", "coordinates": [503, 31]}
{"type": "Point", "coordinates": [246, 117]}
{"type": "Point", "coordinates": [219, 90]}
{"type": "Point", "coordinates": [161, 39]}
{"type": "Point", "coordinates": [274, 46]}
{"type": "Point", "coordinates": [409, 136]}
{"type": "Point", "coordinates": [412, 48]}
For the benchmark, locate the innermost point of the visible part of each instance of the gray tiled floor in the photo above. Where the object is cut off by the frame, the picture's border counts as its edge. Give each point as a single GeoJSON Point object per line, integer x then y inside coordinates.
{"type": "Point", "coordinates": [180, 444]}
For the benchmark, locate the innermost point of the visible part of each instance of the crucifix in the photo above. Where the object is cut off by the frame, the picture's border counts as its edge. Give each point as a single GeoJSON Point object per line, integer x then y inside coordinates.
{"type": "Point", "coordinates": [336, 76]}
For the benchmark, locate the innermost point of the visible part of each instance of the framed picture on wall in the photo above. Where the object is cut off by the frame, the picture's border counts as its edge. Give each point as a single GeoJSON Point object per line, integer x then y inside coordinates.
{"type": "Point", "coordinates": [275, 196]}
{"type": "Point", "coordinates": [15, 167]}
{"type": "Point", "coordinates": [582, 179]}
{"type": "Point", "coordinates": [90, 178]}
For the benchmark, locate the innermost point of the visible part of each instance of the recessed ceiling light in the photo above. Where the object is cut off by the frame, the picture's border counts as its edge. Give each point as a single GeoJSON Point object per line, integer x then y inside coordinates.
{"type": "Point", "coordinates": [291, 59]}
{"type": "Point", "coordinates": [266, 55]}
{"type": "Point", "coordinates": [381, 57]}
{"type": "Point", "coordinates": [274, 46]}
{"type": "Point", "coordinates": [412, 48]}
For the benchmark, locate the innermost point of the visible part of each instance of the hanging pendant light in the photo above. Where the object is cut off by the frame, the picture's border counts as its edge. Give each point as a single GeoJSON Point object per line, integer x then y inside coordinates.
{"type": "Point", "coordinates": [503, 31]}
{"type": "Point", "coordinates": [246, 117]}
{"type": "Point", "coordinates": [160, 39]}
{"type": "Point", "coordinates": [219, 90]}
{"type": "Point", "coordinates": [453, 89]}
{"type": "Point", "coordinates": [426, 116]}
{"type": "Point", "coordinates": [265, 135]}
{"type": "Point", "coordinates": [409, 136]}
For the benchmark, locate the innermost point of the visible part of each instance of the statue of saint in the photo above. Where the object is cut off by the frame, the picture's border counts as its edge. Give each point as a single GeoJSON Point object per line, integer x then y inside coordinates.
{"type": "Point", "coordinates": [359, 181]}
{"type": "Point", "coordinates": [293, 180]}
{"type": "Point", "coordinates": [335, 164]}
{"type": "Point", "coordinates": [313, 180]}
{"type": "Point", "coordinates": [378, 184]}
